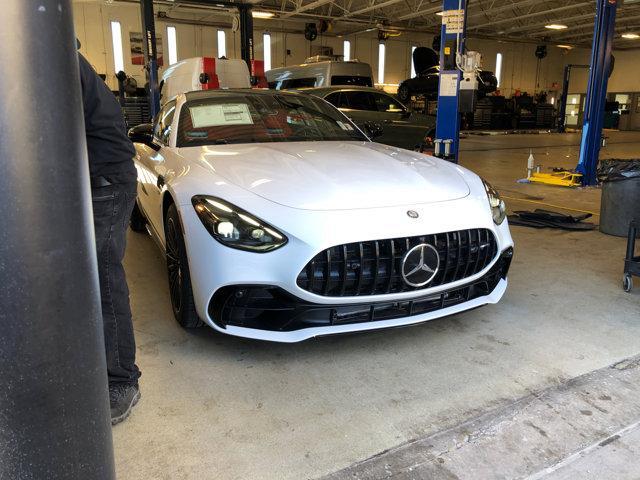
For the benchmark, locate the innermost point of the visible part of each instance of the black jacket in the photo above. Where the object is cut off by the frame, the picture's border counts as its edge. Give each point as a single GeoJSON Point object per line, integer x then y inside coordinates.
{"type": "Point", "coordinates": [110, 150]}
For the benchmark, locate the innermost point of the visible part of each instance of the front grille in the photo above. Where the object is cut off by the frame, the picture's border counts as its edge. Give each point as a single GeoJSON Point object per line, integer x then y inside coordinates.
{"type": "Point", "coordinates": [266, 307]}
{"type": "Point", "coordinates": [374, 267]}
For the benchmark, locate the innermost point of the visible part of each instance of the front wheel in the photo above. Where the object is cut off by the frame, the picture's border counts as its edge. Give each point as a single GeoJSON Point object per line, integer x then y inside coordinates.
{"type": "Point", "coordinates": [180, 290]}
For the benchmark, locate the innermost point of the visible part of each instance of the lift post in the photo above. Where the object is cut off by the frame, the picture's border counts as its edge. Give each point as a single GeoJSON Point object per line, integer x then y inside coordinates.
{"type": "Point", "coordinates": [454, 20]}
{"type": "Point", "coordinates": [246, 34]}
{"type": "Point", "coordinates": [54, 404]}
{"type": "Point", "coordinates": [562, 110]}
{"type": "Point", "coordinates": [599, 71]}
{"type": "Point", "coordinates": [149, 46]}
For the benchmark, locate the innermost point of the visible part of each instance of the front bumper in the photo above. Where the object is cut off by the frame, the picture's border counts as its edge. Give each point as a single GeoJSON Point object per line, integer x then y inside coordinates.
{"type": "Point", "coordinates": [270, 313]}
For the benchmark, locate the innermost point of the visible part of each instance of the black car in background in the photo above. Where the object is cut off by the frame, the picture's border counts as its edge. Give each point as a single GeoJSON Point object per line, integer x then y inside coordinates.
{"type": "Point", "coordinates": [426, 81]}
{"type": "Point", "coordinates": [370, 107]}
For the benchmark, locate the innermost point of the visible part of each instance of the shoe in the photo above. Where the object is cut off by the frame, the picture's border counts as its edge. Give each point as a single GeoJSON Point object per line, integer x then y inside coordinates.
{"type": "Point", "coordinates": [122, 398]}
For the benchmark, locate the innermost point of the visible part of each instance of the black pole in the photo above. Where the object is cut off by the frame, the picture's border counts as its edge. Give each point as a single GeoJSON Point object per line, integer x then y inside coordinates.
{"type": "Point", "coordinates": [246, 34]}
{"type": "Point", "coordinates": [150, 54]}
{"type": "Point", "coordinates": [54, 416]}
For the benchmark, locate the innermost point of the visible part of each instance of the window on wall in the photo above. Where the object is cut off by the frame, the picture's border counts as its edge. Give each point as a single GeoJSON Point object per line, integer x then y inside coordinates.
{"type": "Point", "coordinates": [498, 68]}
{"type": "Point", "coordinates": [172, 43]}
{"type": "Point", "coordinates": [381, 54]}
{"type": "Point", "coordinates": [346, 50]}
{"type": "Point", "coordinates": [116, 39]}
{"type": "Point", "coordinates": [266, 45]}
{"type": "Point", "coordinates": [222, 44]}
{"type": "Point", "coordinates": [413, 67]}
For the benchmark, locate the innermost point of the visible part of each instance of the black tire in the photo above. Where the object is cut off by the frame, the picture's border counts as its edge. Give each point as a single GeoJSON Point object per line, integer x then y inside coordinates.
{"type": "Point", "coordinates": [404, 94]}
{"type": "Point", "coordinates": [627, 283]}
{"type": "Point", "coordinates": [180, 290]}
{"type": "Point", "coordinates": [138, 221]}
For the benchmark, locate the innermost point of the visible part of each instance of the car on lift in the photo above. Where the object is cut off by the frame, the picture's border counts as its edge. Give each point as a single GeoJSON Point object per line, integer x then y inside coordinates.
{"type": "Point", "coordinates": [427, 79]}
{"type": "Point", "coordinates": [281, 220]}
{"type": "Point", "coordinates": [400, 126]}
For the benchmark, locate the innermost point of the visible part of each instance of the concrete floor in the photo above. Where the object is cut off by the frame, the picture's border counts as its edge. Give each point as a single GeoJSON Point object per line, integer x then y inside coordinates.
{"type": "Point", "coordinates": [217, 407]}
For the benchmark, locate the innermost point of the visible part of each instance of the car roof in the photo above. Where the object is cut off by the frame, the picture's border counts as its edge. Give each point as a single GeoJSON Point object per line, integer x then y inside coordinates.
{"type": "Point", "coordinates": [200, 94]}
{"type": "Point", "coordinates": [338, 88]}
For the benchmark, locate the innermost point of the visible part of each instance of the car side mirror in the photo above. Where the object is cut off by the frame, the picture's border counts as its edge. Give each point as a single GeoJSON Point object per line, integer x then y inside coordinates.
{"type": "Point", "coordinates": [373, 129]}
{"type": "Point", "coordinates": [143, 133]}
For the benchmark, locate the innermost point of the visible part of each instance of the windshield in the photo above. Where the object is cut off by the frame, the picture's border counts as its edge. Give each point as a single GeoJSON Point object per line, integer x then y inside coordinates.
{"type": "Point", "coordinates": [257, 118]}
{"type": "Point", "coordinates": [351, 80]}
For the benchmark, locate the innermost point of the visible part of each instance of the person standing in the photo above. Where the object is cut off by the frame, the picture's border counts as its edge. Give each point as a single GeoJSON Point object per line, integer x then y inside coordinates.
{"type": "Point", "coordinates": [113, 190]}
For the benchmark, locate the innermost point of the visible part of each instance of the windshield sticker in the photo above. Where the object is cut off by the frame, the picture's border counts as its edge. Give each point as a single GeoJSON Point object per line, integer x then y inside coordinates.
{"type": "Point", "coordinates": [204, 116]}
{"type": "Point", "coordinates": [345, 126]}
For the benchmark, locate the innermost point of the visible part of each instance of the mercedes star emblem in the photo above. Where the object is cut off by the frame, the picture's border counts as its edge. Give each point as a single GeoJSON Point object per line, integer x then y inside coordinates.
{"type": "Point", "coordinates": [412, 214]}
{"type": "Point", "coordinates": [420, 264]}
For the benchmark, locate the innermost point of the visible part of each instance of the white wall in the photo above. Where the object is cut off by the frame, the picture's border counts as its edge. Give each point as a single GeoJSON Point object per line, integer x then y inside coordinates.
{"type": "Point", "coordinates": [92, 21]}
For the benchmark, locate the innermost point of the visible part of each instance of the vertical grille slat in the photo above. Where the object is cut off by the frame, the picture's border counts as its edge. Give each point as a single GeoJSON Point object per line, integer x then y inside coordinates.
{"type": "Point", "coordinates": [327, 272]}
{"type": "Point", "coordinates": [374, 267]}
{"type": "Point", "coordinates": [392, 260]}
{"type": "Point", "coordinates": [360, 268]}
{"type": "Point", "coordinates": [345, 273]}
{"type": "Point", "coordinates": [446, 258]}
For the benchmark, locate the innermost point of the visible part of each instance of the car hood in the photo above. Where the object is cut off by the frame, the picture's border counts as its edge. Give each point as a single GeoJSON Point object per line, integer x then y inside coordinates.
{"type": "Point", "coordinates": [332, 175]}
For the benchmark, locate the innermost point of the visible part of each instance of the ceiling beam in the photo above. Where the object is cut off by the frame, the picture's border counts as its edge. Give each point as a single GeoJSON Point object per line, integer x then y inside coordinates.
{"type": "Point", "coordinates": [308, 6]}
{"type": "Point", "coordinates": [531, 15]}
{"type": "Point", "coordinates": [428, 11]}
{"type": "Point", "coordinates": [371, 7]}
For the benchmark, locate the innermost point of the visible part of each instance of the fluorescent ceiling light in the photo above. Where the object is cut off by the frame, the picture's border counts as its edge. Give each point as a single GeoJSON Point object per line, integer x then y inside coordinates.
{"type": "Point", "coordinates": [261, 14]}
{"type": "Point", "coordinates": [568, 47]}
{"type": "Point", "coordinates": [555, 26]}
{"type": "Point", "coordinates": [631, 36]}
{"type": "Point", "coordinates": [440, 13]}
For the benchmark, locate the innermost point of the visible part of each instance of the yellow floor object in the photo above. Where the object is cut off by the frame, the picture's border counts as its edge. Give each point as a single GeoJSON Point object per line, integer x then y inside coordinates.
{"type": "Point", "coordinates": [561, 179]}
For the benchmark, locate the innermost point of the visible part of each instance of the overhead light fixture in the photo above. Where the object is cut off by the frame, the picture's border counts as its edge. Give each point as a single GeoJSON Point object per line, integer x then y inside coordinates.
{"type": "Point", "coordinates": [630, 36]}
{"type": "Point", "coordinates": [261, 14]}
{"type": "Point", "coordinates": [555, 26]}
{"type": "Point", "coordinates": [568, 47]}
{"type": "Point", "coordinates": [440, 14]}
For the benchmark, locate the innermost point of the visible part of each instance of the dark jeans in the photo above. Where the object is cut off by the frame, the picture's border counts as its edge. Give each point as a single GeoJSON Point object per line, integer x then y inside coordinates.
{"type": "Point", "coordinates": [112, 207]}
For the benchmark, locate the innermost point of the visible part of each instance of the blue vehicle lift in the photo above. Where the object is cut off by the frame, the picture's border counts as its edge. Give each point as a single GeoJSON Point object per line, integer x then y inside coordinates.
{"type": "Point", "coordinates": [599, 72]}
{"type": "Point", "coordinates": [454, 22]}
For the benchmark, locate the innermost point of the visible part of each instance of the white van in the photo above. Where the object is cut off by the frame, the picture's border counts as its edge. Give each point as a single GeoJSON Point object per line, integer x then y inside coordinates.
{"type": "Point", "coordinates": [203, 73]}
{"type": "Point", "coordinates": [320, 71]}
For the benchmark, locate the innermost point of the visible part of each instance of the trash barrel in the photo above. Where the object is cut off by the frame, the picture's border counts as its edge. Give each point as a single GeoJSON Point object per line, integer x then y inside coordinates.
{"type": "Point", "coordinates": [620, 195]}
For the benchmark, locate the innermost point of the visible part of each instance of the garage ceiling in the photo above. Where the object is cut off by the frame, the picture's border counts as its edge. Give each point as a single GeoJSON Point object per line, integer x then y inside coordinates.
{"type": "Point", "coordinates": [522, 20]}
{"type": "Point", "coordinates": [511, 20]}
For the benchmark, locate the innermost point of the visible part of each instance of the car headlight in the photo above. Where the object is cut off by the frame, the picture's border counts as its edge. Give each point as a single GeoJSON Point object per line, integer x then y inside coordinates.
{"type": "Point", "coordinates": [236, 228]}
{"type": "Point", "coordinates": [498, 208]}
